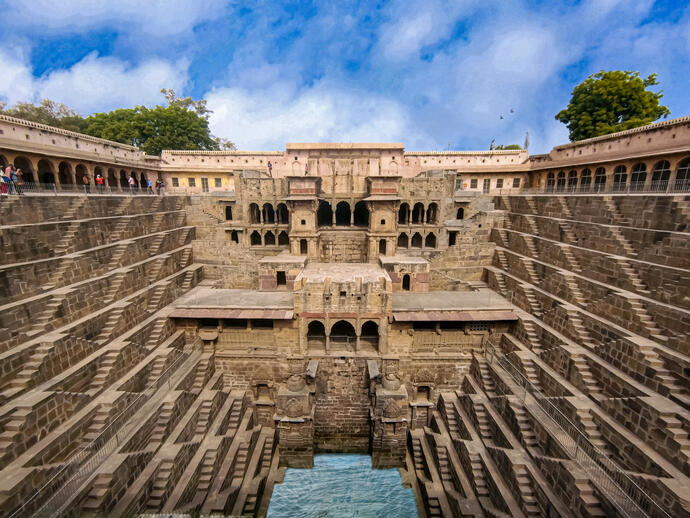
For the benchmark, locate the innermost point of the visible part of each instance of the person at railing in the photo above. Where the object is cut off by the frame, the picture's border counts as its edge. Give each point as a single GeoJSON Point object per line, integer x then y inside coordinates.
{"type": "Point", "coordinates": [131, 183]}
{"type": "Point", "coordinates": [99, 183]}
{"type": "Point", "coordinates": [19, 181]}
{"type": "Point", "coordinates": [5, 181]}
{"type": "Point", "coordinates": [87, 185]}
{"type": "Point", "coordinates": [149, 184]}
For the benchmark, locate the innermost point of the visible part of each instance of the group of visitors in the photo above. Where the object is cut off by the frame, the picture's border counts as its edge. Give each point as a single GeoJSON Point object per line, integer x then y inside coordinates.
{"type": "Point", "coordinates": [11, 181]}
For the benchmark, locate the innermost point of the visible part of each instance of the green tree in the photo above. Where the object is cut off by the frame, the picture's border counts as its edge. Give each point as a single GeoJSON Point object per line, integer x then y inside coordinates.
{"type": "Point", "coordinates": [611, 101]}
{"type": "Point", "coordinates": [48, 112]}
{"type": "Point", "coordinates": [509, 146]}
{"type": "Point", "coordinates": [154, 129]}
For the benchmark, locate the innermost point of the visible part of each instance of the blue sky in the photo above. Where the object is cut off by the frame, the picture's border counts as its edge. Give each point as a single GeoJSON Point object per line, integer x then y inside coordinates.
{"type": "Point", "coordinates": [432, 74]}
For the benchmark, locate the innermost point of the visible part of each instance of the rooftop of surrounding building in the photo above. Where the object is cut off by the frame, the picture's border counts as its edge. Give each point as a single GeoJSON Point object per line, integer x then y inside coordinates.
{"type": "Point", "coordinates": [342, 272]}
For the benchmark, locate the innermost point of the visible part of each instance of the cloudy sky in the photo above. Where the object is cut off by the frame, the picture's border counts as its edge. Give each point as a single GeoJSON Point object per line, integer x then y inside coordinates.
{"type": "Point", "coordinates": [432, 74]}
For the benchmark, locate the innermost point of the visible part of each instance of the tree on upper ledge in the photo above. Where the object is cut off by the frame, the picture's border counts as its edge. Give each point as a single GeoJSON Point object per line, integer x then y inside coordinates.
{"type": "Point", "coordinates": [611, 101]}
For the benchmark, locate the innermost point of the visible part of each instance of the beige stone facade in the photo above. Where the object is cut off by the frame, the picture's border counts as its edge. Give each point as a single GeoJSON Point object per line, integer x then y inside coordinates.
{"type": "Point", "coordinates": [517, 352]}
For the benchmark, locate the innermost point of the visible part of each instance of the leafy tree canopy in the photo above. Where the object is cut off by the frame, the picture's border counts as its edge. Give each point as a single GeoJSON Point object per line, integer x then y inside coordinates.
{"type": "Point", "coordinates": [48, 112]}
{"type": "Point", "coordinates": [182, 124]}
{"type": "Point", "coordinates": [509, 146]}
{"type": "Point", "coordinates": [611, 101]}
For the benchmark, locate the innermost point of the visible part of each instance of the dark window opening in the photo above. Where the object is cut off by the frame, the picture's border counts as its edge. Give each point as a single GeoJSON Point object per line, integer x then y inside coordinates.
{"type": "Point", "coordinates": [281, 279]}
{"type": "Point", "coordinates": [382, 246]}
{"type": "Point", "coordinates": [361, 215]}
{"type": "Point", "coordinates": [406, 282]}
{"type": "Point", "coordinates": [262, 324]}
{"type": "Point", "coordinates": [303, 247]}
{"type": "Point", "coordinates": [234, 236]}
{"type": "Point", "coordinates": [228, 213]}
{"type": "Point", "coordinates": [452, 238]}
{"type": "Point", "coordinates": [324, 215]}
{"type": "Point", "coordinates": [342, 214]}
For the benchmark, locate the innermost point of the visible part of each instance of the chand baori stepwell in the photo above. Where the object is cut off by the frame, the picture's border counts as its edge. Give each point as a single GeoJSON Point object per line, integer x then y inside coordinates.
{"type": "Point", "coordinates": [509, 330]}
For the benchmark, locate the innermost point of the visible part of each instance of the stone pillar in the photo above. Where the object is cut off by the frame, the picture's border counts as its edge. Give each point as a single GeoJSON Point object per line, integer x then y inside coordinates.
{"type": "Point", "coordinates": [390, 423]}
{"type": "Point", "coordinates": [294, 420]}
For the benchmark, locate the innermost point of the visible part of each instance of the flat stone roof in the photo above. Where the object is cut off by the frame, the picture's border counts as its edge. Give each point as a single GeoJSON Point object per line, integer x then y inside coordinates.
{"type": "Point", "coordinates": [481, 305]}
{"type": "Point", "coordinates": [342, 272]}
{"type": "Point", "coordinates": [398, 259]}
{"type": "Point", "coordinates": [243, 304]}
{"type": "Point", "coordinates": [239, 299]}
{"type": "Point", "coordinates": [283, 258]}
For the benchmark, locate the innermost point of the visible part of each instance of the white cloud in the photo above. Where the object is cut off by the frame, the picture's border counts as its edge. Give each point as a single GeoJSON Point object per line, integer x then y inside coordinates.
{"type": "Point", "coordinates": [154, 17]}
{"type": "Point", "coordinates": [268, 118]}
{"type": "Point", "coordinates": [93, 84]}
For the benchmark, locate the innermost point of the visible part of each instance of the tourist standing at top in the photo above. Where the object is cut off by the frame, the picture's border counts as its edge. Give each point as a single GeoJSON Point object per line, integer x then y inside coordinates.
{"type": "Point", "coordinates": [20, 181]}
{"type": "Point", "coordinates": [149, 184]}
{"type": "Point", "coordinates": [132, 183]}
{"type": "Point", "coordinates": [270, 168]}
{"type": "Point", "coordinates": [99, 183]}
{"type": "Point", "coordinates": [87, 185]}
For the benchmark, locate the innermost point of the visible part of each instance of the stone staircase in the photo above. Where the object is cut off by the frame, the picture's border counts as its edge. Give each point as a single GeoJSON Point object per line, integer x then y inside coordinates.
{"type": "Point", "coordinates": [616, 217]}
{"type": "Point", "coordinates": [110, 324]}
{"type": "Point", "coordinates": [625, 245]}
{"type": "Point", "coordinates": [643, 316]}
{"type": "Point", "coordinates": [116, 281]}
{"type": "Point", "coordinates": [159, 489]}
{"type": "Point", "coordinates": [156, 333]}
{"type": "Point", "coordinates": [527, 435]}
{"type": "Point", "coordinates": [24, 378]}
{"type": "Point", "coordinates": [155, 268]}
{"type": "Point", "coordinates": [530, 505]}
{"type": "Point", "coordinates": [535, 306]}
{"type": "Point", "coordinates": [44, 320]}
{"type": "Point", "coordinates": [156, 298]}
{"type": "Point", "coordinates": [576, 295]}
{"type": "Point", "coordinates": [625, 266]}
{"type": "Point", "coordinates": [160, 428]}
{"type": "Point", "coordinates": [590, 385]}
{"type": "Point", "coordinates": [533, 341]}
{"type": "Point", "coordinates": [203, 419]}
{"type": "Point", "coordinates": [530, 245]}
{"type": "Point", "coordinates": [502, 260]}
{"type": "Point", "coordinates": [483, 426]}
{"type": "Point", "coordinates": [532, 224]}
{"type": "Point", "coordinates": [486, 379]}
{"type": "Point", "coordinates": [119, 253]}
{"type": "Point", "coordinates": [591, 430]}
{"type": "Point", "coordinates": [565, 208]}
{"type": "Point", "coordinates": [66, 243]}
{"type": "Point", "coordinates": [573, 263]}
{"type": "Point", "coordinates": [531, 270]}
{"type": "Point", "coordinates": [568, 235]}
{"type": "Point", "coordinates": [531, 203]}
{"type": "Point", "coordinates": [583, 337]}
{"type": "Point", "coordinates": [105, 367]}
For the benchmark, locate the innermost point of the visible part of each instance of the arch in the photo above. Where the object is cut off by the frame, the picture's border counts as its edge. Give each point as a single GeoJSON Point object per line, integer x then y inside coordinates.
{"type": "Point", "coordinates": [254, 213]}
{"type": "Point", "coordinates": [418, 213]}
{"type": "Point", "coordinates": [65, 173]}
{"type": "Point", "coordinates": [406, 282]}
{"type": "Point", "coordinates": [661, 174]}
{"type": "Point", "coordinates": [600, 179]}
{"type": "Point", "coordinates": [296, 170]}
{"type": "Point", "coordinates": [638, 176]}
{"type": "Point", "coordinates": [550, 181]}
{"type": "Point", "coordinates": [342, 214]}
{"type": "Point", "coordinates": [461, 213]}
{"type": "Point", "coordinates": [283, 216]}
{"type": "Point", "coordinates": [620, 178]}
{"type": "Point", "coordinates": [269, 239]}
{"type": "Point", "coordinates": [585, 179]}
{"type": "Point", "coordinates": [560, 181]}
{"type": "Point", "coordinates": [430, 240]}
{"type": "Point", "coordinates": [572, 181]}
{"type": "Point", "coordinates": [403, 214]}
{"type": "Point", "coordinates": [80, 172]}
{"type": "Point", "coordinates": [228, 213]}
{"type": "Point", "coordinates": [382, 247]}
{"type": "Point", "coordinates": [316, 329]}
{"type": "Point", "coordinates": [303, 247]}
{"type": "Point", "coordinates": [343, 332]}
{"type": "Point", "coordinates": [46, 174]}
{"type": "Point", "coordinates": [324, 214]}
{"type": "Point", "coordinates": [403, 241]}
{"type": "Point", "coordinates": [369, 336]}
{"type": "Point", "coordinates": [416, 240]}
{"type": "Point", "coordinates": [143, 181]}
{"type": "Point", "coordinates": [3, 162]}
{"type": "Point", "coordinates": [283, 239]}
{"type": "Point", "coordinates": [123, 179]}
{"type": "Point", "coordinates": [255, 239]}
{"type": "Point", "coordinates": [432, 213]}
{"type": "Point", "coordinates": [268, 213]}
{"type": "Point", "coordinates": [361, 215]}
{"type": "Point", "coordinates": [683, 175]}
{"type": "Point", "coordinates": [25, 165]}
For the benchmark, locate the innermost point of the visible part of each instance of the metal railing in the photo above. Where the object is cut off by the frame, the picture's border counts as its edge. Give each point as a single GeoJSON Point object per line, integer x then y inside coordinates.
{"type": "Point", "coordinates": [655, 187]}
{"type": "Point", "coordinates": [51, 189]}
{"type": "Point", "coordinates": [621, 490]}
{"type": "Point", "coordinates": [51, 498]}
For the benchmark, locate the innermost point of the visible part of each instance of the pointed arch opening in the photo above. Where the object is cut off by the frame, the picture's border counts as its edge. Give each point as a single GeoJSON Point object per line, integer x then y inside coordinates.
{"type": "Point", "coordinates": [269, 239]}
{"type": "Point", "coordinates": [418, 213]}
{"type": "Point", "coordinates": [254, 213]}
{"type": "Point", "coordinates": [255, 239]}
{"type": "Point", "coordinates": [342, 214]}
{"type": "Point", "coordinates": [65, 173]}
{"type": "Point", "coordinates": [430, 241]}
{"type": "Point", "coordinates": [432, 213]}
{"type": "Point", "coordinates": [416, 240]}
{"type": "Point", "coordinates": [283, 215]}
{"type": "Point", "coordinates": [45, 172]}
{"type": "Point", "coordinates": [403, 214]}
{"type": "Point", "coordinates": [403, 241]}
{"type": "Point", "coordinates": [268, 213]}
{"type": "Point", "coordinates": [361, 215]}
{"type": "Point", "coordinates": [461, 213]}
{"type": "Point", "coordinates": [283, 239]}
{"type": "Point", "coordinates": [324, 214]}
{"type": "Point", "coordinates": [369, 337]}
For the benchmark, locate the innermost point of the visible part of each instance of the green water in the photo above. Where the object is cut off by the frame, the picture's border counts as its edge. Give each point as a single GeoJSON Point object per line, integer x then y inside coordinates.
{"type": "Point", "coordinates": [342, 486]}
